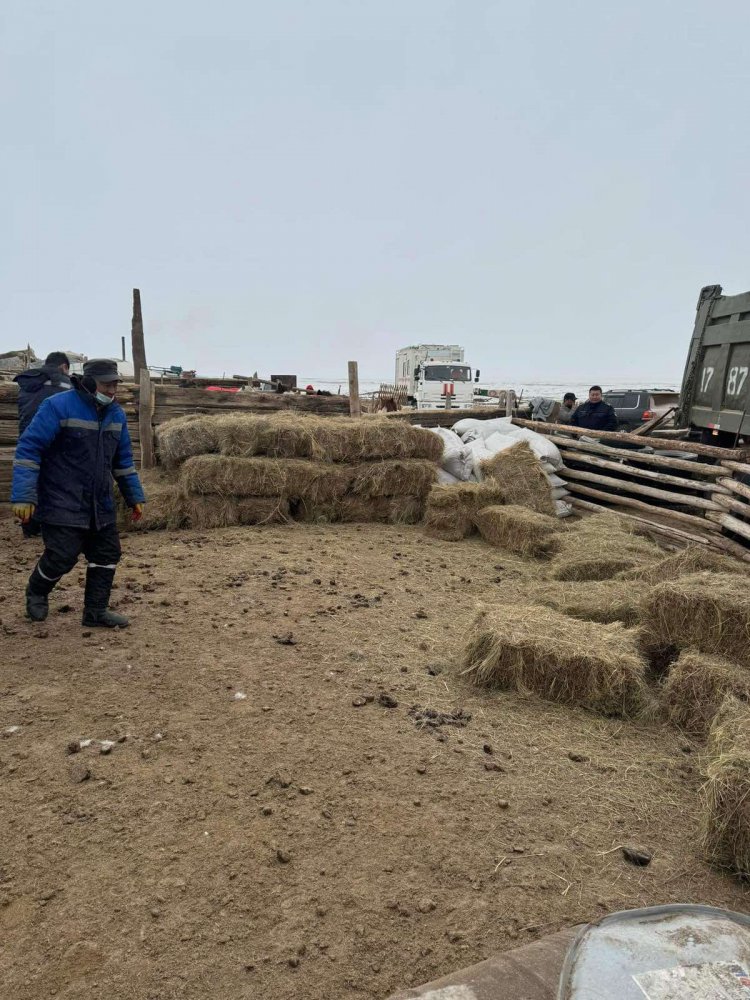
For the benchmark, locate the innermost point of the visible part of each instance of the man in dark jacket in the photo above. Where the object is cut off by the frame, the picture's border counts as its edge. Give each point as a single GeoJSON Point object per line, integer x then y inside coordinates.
{"type": "Point", "coordinates": [595, 415]}
{"type": "Point", "coordinates": [63, 470]}
{"type": "Point", "coordinates": [34, 386]}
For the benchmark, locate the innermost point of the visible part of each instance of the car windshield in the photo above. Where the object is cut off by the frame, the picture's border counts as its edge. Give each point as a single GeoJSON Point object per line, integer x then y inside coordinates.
{"type": "Point", "coordinates": [447, 373]}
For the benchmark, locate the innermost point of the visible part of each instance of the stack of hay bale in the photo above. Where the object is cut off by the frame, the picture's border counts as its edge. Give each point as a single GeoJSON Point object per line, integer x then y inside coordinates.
{"type": "Point", "coordinates": [246, 469]}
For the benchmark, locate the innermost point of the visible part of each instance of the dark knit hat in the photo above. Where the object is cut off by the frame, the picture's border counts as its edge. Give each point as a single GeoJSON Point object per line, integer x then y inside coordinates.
{"type": "Point", "coordinates": [102, 369]}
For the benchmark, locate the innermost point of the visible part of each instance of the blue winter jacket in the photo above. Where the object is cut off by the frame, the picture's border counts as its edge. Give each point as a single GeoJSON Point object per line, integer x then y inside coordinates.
{"type": "Point", "coordinates": [34, 386]}
{"type": "Point", "coordinates": [67, 456]}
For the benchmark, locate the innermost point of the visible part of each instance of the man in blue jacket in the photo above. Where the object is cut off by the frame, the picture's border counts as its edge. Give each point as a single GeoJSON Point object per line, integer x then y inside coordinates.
{"type": "Point", "coordinates": [595, 414]}
{"type": "Point", "coordinates": [34, 386]}
{"type": "Point", "coordinates": [63, 473]}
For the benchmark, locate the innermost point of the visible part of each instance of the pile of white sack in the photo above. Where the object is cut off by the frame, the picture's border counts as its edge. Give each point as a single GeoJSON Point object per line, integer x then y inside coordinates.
{"type": "Point", "coordinates": [472, 441]}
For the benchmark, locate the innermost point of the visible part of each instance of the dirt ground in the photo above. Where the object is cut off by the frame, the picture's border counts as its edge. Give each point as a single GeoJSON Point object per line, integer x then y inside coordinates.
{"type": "Point", "coordinates": [265, 825]}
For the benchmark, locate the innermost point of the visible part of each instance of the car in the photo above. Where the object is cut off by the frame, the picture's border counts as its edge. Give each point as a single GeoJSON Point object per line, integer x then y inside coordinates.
{"type": "Point", "coordinates": [635, 406]}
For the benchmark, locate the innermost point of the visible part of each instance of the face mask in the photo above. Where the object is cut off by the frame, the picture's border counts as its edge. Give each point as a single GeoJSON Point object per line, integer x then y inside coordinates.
{"type": "Point", "coordinates": [104, 400]}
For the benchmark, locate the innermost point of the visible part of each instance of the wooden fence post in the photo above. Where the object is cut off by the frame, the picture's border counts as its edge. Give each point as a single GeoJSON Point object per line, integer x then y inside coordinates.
{"type": "Point", "coordinates": [136, 332]}
{"type": "Point", "coordinates": [145, 416]}
{"type": "Point", "coordinates": [508, 402]}
{"type": "Point", "coordinates": [355, 409]}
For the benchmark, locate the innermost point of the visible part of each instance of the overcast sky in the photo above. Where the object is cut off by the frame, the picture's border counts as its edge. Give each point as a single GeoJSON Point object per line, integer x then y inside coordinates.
{"type": "Point", "coordinates": [299, 183]}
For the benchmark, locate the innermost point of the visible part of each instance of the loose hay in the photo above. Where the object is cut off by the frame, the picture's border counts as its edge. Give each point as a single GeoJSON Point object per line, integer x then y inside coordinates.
{"type": "Point", "coordinates": [696, 687]}
{"type": "Point", "coordinates": [531, 648]}
{"type": "Point", "coordinates": [726, 792]}
{"type": "Point", "coordinates": [450, 510]}
{"type": "Point", "coordinates": [599, 547]}
{"type": "Point", "coordinates": [692, 559]}
{"type": "Point", "coordinates": [180, 439]}
{"type": "Point", "coordinates": [522, 478]}
{"type": "Point", "coordinates": [602, 601]}
{"type": "Point", "coordinates": [518, 529]}
{"type": "Point", "coordinates": [705, 611]}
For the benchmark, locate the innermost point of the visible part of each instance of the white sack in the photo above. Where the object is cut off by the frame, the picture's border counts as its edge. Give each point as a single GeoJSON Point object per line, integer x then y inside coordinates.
{"type": "Point", "coordinates": [446, 479]}
{"type": "Point", "coordinates": [456, 459]}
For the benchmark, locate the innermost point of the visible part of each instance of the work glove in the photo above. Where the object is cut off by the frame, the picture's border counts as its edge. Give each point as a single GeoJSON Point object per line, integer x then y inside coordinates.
{"type": "Point", "coordinates": [137, 511]}
{"type": "Point", "coordinates": [24, 511]}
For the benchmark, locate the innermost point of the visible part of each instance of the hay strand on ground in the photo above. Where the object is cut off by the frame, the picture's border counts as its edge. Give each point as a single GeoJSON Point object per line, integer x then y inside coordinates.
{"type": "Point", "coordinates": [726, 792]}
{"type": "Point", "coordinates": [518, 529]}
{"type": "Point", "coordinates": [450, 510]}
{"type": "Point", "coordinates": [696, 687]}
{"type": "Point", "coordinates": [522, 478]}
{"type": "Point", "coordinates": [531, 648]}
{"type": "Point", "coordinates": [705, 611]}
{"type": "Point", "coordinates": [600, 546]}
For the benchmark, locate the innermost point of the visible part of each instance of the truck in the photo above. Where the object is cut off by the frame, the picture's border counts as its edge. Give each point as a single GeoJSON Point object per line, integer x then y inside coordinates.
{"type": "Point", "coordinates": [715, 394]}
{"type": "Point", "coordinates": [434, 376]}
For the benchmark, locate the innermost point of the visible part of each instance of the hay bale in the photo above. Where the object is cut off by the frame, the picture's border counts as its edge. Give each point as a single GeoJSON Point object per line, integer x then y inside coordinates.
{"type": "Point", "coordinates": [696, 687]}
{"type": "Point", "coordinates": [531, 648]}
{"type": "Point", "coordinates": [522, 478]}
{"type": "Point", "coordinates": [325, 439]}
{"type": "Point", "coordinates": [352, 509]}
{"type": "Point", "coordinates": [392, 477]}
{"type": "Point", "coordinates": [180, 439]}
{"type": "Point", "coordinates": [603, 601]}
{"type": "Point", "coordinates": [450, 510]}
{"type": "Point", "coordinates": [725, 794]}
{"type": "Point", "coordinates": [162, 507]}
{"type": "Point", "coordinates": [208, 512]}
{"type": "Point", "coordinates": [518, 529]}
{"type": "Point", "coordinates": [705, 611]}
{"type": "Point", "coordinates": [295, 479]}
{"type": "Point", "coordinates": [692, 559]}
{"type": "Point", "coordinates": [601, 546]}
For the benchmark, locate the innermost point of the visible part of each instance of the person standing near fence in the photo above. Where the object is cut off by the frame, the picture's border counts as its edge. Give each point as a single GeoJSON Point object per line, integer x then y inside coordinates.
{"type": "Point", "coordinates": [34, 386]}
{"type": "Point", "coordinates": [65, 463]}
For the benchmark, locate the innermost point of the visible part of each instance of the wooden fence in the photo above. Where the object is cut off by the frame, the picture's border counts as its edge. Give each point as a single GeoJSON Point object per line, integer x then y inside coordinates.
{"type": "Point", "coordinates": [690, 499]}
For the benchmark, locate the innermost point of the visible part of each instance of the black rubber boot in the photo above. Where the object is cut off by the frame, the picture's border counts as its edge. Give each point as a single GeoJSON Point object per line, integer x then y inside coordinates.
{"type": "Point", "coordinates": [37, 591]}
{"type": "Point", "coordinates": [96, 614]}
{"type": "Point", "coordinates": [96, 618]}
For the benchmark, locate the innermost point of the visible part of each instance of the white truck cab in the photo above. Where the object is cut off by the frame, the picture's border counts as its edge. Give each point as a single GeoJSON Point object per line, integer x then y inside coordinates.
{"type": "Point", "coordinates": [435, 376]}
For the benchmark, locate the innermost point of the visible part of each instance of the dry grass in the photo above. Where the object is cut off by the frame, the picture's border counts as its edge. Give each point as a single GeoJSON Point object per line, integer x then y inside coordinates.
{"type": "Point", "coordinates": [205, 512]}
{"type": "Point", "coordinates": [696, 687]}
{"type": "Point", "coordinates": [705, 611]}
{"type": "Point", "coordinates": [692, 559]}
{"type": "Point", "coordinates": [451, 510]}
{"type": "Point", "coordinates": [726, 792]}
{"type": "Point", "coordinates": [180, 439]}
{"type": "Point", "coordinates": [601, 546]}
{"type": "Point", "coordinates": [531, 648]}
{"type": "Point", "coordinates": [162, 507]}
{"type": "Point", "coordinates": [602, 601]}
{"type": "Point", "coordinates": [351, 509]}
{"type": "Point", "coordinates": [294, 435]}
{"type": "Point", "coordinates": [524, 484]}
{"type": "Point", "coordinates": [518, 529]}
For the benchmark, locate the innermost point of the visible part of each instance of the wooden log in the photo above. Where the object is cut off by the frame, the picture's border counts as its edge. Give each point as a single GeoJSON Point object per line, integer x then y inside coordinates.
{"type": "Point", "coordinates": [145, 414]}
{"type": "Point", "coordinates": [686, 537]}
{"type": "Point", "coordinates": [654, 422]}
{"type": "Point", "coordinates": [742, 467]}
{"type": "Point", "coordinates": [660, 461]}
{"type": "Point", "coordinates": [355, 408]}
{"type": "Point", "coordinates": [733, 504]}
{"type": "Point", "coordinates": [707, 450]}
{"type": "Point", "coordinates": [734, 487]}
{"type": "Point", "coordinates": [8, 432]}
{"type": "Point", "coordinates": [730, 523]}
{"type": "Point", "coordinates": [660, 477]}
{"type": "Point", "coordinates": [619, 501]}
{"type": "Point", "coordinates": [136, 333]}
{"type": "Point", "coordinates": [623, 484]}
